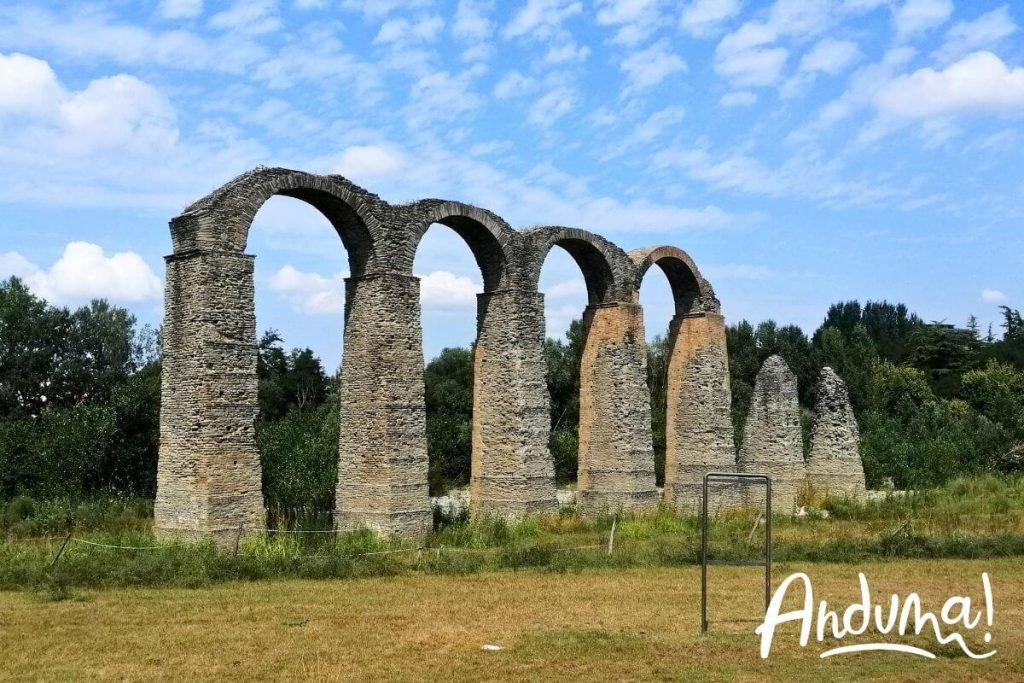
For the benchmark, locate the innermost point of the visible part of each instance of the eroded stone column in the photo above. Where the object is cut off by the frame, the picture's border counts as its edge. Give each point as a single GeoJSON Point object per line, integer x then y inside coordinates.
{"type": "Point", "coordinates": [616, 457]}
{"type": "Point", "coordinates": [772, 437]}
{"type": "Point", "coordinates": [382, 445]}
{"type": "Point", "coordinates": [699, 432]}
{"type": "Point", "coordinates": [512, 472]}
{"type": "Point", "coordinates": [834, 464]}
{"type": "Point", "coordinates": [208, 477]}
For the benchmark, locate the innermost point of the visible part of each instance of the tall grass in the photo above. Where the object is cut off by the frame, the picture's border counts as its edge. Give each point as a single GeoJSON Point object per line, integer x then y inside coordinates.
{"type": "Point", "coordinates": [968, 518]}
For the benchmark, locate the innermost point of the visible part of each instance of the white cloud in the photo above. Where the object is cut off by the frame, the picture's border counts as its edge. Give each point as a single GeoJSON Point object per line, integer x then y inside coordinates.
{"type": "Point", "coordinates": [830, 56]}
{"type": "Point", "coordinates": [369, 162]}
{"type": "Point", "coordinates": [315, 294]}
{"type": "Point", "coordinates": [512, 84]}
{"type": "Point", "coordinates": [85, 272]}
{"type": "Point", "coordinates": [657, 123]}
{"type": "Point", "coordinates": [914, 16]}
{"type": "Point", "coordinates": [740, 98]}
{"type": "Point", "coordinates": [311, 293]}
{"type": "Point", "coordinates": [748, 56]}
{"type": "Point", "coordinates": [14, 264]}
{"type": "Point", "coordinates": [28, 86]}
{"type": "Point", "coordinates": [635, 19]}
{"type": "Point", "coordinates": [114, 142]}
{"type": "Point", "coordinates": [703, 18]}
{"type": "Point", "coordinates": [252, 17]}
{"type": "Point", "coordinates": [566, 289]}
{"type": "Point", "coordinates": [805, 175]}
{"type": "Point", "coordinates": [801, 17]}
{"type": "Point", "coordinates": [423, 29]}
{"type": "Point", "coordinates": [375, 9]}
{"type": "Point", "coordinates": [570, 52]}
{"type": "Point", "coordinates": [86, 33]}
{"type": "Point", "coordinates": [751, 54]}
{"type": "Point", "coordinates": [863, 88]}
{"type": "Point", "coordinates": [992, 296]}
{"type": "Point", "coordinates": [859, 6]}
{"type": "Point", "coordinates": [180, 9]}
{"type": "Point", "coordinates": [646, 131]}
{"type": "Point", "coordinates": [441, 96]}
{"type": "Point", "coordinates": [647, 68]}
{"type": "Point", "coordinates": [979, 83]}
{"type": "Point", "coordinates": [551, 107]}
{"type": "Point", "coordinates": [542, 18]}
{"type": "Point", "coordinates": [118, 113]}
{"type": "Point", "coordinates": [443, 290]}
{"type": "Point", "coordinates": [985, 32]}
{"type": "Point", "coordinates": [471, 21]}
{"type": "Point", "coordinates": [435, 169]}
{"type": "Point", "coordinates": [558, 318]}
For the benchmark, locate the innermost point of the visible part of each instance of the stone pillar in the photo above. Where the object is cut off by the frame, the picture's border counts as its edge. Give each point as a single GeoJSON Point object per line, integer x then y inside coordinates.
{"type": "Point", "coordinates": [382, 442]}
{"type": "Point", "coordinates": [834, 464]}
{"type": "Point", "coordinates": [208, 476]}
{"type": "Point", "coordinates": [698, 432]}
{"type": "Point", "coordinates": [616, 457]}
{"type": "Point", "coordinates": [512, 472]}
{"type": "Point", "coordinates": [772, 437]}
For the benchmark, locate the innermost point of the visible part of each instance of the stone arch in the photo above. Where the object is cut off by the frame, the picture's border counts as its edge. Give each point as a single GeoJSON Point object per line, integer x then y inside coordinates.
{"type": "Point", "coordinates": [606, 269]}
{"type": "Point", "coordinates": [690, 291]}
{"type": "Point", "coordinates": [486, 234]}
{"type": "Point", "coordinates": [511, 470]}
{"type": "Point", "coordinates": [698, 424]}
{"type": "Point", "coordinates": [221, 220]}
{"type": "Point", "coordinates": [209, 480]}
{"type": "Point", "coordinates": [616, 458]}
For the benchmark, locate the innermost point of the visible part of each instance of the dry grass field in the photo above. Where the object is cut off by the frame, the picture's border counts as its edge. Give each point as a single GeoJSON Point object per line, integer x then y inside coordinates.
{"type": "Point", "coordinates": [596, 625]}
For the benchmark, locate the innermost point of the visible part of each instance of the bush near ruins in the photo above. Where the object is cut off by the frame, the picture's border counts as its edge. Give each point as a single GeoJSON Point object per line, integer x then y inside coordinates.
{"type": "Point", "coordinates": [80, 391]}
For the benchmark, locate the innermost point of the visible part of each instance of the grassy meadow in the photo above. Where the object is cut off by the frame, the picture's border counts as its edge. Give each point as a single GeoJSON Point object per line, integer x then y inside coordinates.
{"type": "Point", "coordinates": [549, 591]}
{"type": "Point", "coordinates": [605, 624]}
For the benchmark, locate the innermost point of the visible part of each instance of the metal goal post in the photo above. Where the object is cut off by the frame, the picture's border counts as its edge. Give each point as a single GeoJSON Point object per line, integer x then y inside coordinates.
{"type": "Point", "coordinates": [736, 478]}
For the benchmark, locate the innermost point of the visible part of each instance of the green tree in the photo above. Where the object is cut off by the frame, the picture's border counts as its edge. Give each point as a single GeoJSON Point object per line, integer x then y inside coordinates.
{"type": "Point", "coordinates": [33, 340]}
{"type": "Point", "coordinates": [101, 353]}
{"type": "Point", "coordinates": [449, 401]}
{"type": "Point", "coordinates": [997, 392]}
{"type": "Point", "coordinates": [853, 357]}
{"type": "Point", "coordinates": [657, 378]}
{"type": "Point", "coordinates": [944, 355]}
{"type": "Point", "coordinates": [299, 455]}
{"type": "Point", "coordinates": [563, 380]}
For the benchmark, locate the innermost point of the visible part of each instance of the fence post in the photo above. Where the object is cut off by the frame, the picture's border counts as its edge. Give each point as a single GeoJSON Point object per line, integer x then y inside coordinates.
{"type": "Point", "coordinates": [611, 536]}
{"type": "Point", "coordinates": [238, 538]}
{"type": "Point", "coordinates": [60, 551]}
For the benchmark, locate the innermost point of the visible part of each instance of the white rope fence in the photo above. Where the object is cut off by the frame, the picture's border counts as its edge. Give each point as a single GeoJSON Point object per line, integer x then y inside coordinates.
{"type": "Point", "coordinates": [419, 550]}
{"type": "Point", "coordinates": [121, 547]}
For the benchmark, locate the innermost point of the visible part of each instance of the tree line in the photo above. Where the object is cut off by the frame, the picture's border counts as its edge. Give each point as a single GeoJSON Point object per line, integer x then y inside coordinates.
{"type": "Point", "coordinates": [80, 398]}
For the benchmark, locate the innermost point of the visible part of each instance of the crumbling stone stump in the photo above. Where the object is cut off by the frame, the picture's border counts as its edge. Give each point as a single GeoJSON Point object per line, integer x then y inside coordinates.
{"type": "Point", "coordinates": [834, 464]}
{"type": "Point", "coordinates": [772, 436]}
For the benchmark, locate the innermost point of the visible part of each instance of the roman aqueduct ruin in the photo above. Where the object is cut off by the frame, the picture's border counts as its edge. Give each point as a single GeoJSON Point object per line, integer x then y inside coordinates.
{"type": "Point", "coordinates": [209, 479]}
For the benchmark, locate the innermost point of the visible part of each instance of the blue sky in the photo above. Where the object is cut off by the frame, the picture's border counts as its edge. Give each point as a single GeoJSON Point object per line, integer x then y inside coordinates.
{"type": "Point", "coordinates": [802, 151]}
